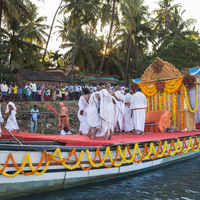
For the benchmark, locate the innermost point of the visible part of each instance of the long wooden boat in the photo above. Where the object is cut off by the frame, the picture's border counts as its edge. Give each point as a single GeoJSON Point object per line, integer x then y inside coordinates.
{"type": "Point", "coordinates": [52, 162]}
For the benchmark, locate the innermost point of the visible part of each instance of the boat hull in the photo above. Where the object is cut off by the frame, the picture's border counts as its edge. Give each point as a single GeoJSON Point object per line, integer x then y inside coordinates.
{"type": "Point", "coordinates": [58, 177]}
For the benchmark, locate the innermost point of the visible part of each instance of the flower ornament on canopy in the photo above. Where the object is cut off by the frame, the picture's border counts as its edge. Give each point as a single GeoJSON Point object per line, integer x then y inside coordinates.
{"type": "Point", "coordinates": [157, 65]}
{"type": "Point", "coordinates": [160, 85]}
{"type": "Point", "coordinates": [189, 81]}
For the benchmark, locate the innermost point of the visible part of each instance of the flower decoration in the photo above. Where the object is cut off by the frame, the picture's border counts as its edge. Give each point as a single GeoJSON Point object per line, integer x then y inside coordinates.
{"type": "Point", "coordinates": [160, 85]}
{"type": "Point", "coordinates": [157, 65]}
{"type": "Point", "coordinates": [189, 81]}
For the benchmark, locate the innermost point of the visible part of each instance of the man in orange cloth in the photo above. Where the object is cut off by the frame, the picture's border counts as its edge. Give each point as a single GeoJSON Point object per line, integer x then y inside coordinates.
{"type": "Point", "coordinates": [63, 116]}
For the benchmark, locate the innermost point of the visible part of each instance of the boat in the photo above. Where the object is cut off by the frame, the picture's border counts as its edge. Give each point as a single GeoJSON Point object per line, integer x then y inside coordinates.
{"type": "Point", "coordinates": [43, 163]}
{"type": "Point", "coordinates": [31, 163]}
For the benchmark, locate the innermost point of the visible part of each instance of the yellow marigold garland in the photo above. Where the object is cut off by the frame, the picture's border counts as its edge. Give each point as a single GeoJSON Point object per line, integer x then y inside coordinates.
{"type": "Point", "coordinates": [188, 104]}
{"type": "Point", "coordinates": [147, 153]}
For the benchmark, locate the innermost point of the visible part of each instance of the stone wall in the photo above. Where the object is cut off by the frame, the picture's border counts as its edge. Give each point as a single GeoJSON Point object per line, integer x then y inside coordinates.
{"type": "Point", "coordinates": [48, 121]}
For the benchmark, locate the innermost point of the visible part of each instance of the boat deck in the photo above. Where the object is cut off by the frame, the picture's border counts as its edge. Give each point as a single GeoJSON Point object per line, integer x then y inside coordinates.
{"type": "Point", "coordinates": [81, 140]}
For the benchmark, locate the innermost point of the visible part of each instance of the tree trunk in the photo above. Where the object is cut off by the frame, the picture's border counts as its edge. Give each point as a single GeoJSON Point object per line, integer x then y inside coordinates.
{"type": "Point", "coordinates": [45, 51]}
{"type": "Point", "coordinates": [127, 61]}
{"type": "Point", "coordinates": [108, 40]}
{"type": "Point", "coordinates": [1, 13]}
{"type": "Point", "coordinates": [74, 52]}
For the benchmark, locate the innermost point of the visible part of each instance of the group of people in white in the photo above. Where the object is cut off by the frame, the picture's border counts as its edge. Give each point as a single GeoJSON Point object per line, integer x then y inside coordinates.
{"type": "Point", "coordinates": [105, 112]}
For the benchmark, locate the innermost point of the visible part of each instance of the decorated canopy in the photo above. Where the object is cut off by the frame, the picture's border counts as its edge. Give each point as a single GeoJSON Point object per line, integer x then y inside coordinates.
{"type": "Point", "coordinates": [166, 89]}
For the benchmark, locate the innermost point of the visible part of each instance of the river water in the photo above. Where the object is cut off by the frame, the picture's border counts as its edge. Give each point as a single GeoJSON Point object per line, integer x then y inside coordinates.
{"type": "Point", "coordinates": [179, 181]}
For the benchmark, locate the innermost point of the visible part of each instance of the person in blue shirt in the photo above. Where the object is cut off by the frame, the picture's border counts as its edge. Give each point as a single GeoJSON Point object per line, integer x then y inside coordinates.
{"type": "Point", "coordinates": [34, 117]}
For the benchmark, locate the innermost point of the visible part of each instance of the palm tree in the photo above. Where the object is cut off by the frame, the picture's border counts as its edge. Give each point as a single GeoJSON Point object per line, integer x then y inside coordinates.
{"type": "Point", "coordinates": [164, 17]}
{"type": "Point", "coordinates": [52, 24]}
{"type": "Point", "coordinates": [81, 12]}
{"type": "Point", "coordinates": [136, 32]}
{"type": "Point", "coordinates": [13, 10]}
{"type": "Point", "coordinates": [108, 39]}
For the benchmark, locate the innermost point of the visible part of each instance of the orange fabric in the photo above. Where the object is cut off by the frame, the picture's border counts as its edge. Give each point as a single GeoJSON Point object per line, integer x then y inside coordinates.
{"type": "Point", "coordinates": [63, 116]}
{"type": "Point", "coordinates": [161, 117]}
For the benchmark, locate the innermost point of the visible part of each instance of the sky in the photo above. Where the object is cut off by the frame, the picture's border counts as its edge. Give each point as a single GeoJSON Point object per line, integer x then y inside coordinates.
{"type": "Point", "coordinates": [48, 8]}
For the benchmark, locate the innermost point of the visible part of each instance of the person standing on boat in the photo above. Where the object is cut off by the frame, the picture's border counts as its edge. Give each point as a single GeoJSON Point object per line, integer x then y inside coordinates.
{"type": "Point", "coordinates": [63, 116]}
{"type": "Point", "coordinates": [11, 123]}
{"type": "Point", "coordinates": [138, 106]}
{"type": "Point", "coordinates": [93, 115]}
{"type": "Point", "coordinates": [82, 113]}
{"type": "Point", "coordinates": [34, 117]}
{"type": "Point", "coordinates": [128, 125]}
{"type": "Point", "coordinates": [119, 110]}
{"type": "Point", "coordinates": [1, 118]}
{"type": "Point", "coordinates": [107, 112]}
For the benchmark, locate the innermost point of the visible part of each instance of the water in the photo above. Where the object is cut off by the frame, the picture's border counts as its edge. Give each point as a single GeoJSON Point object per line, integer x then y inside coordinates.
{"type": "Point", "coordinates": [180, 181]}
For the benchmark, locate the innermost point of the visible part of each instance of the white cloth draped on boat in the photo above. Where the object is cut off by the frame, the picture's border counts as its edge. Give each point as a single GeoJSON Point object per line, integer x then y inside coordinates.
{"type": "Point", "coordinates": [119, 110]}
{"type": "Point", "coordinates": [1, 119]}
{"type": "Point", "coordinates": [192, 94]}
{"type": "Point", "coordinates": [11, 123]}
{"type": "Point", "coordinates": [139, 105]}
{"type": "Point", "coordinates": [93, 117]}
{"type": "Point", "coordinates": [128, 119]}
{"type": "Point", "coordinates": [106, 113]}
{"type": "Point", "coordinates": [84, 127]}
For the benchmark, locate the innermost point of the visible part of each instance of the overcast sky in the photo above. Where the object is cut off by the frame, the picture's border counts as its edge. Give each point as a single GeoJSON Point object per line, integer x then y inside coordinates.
{"type": "Point", "coordinates": [48, 8]}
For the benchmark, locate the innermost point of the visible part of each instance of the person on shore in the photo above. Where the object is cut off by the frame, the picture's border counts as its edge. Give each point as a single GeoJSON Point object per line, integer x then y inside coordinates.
{"type": "Point", "coordinates": [63, 116]}
{"type": "Point", "coordinates": [28, 91]}
{"type": "Point", "coordinates": [62, 93]}
{"type": "Point", "coordinates": [11, 110]}
{"type": "Point", "coordinates": [34, 118]}
{"type": "Point", "coordinates": [138, 106]}
{"type": "Point", "coordinates": [128, 119]}
{"type": "Point", "coordinates": [4, 89]}
{"type": "Point", "coordinates": [65, 131]}
{"type": "Point", "coordinates": [34, 90]}
{"type": "Point", "coordinates": [82, 113]}
{"type": "Point", "coordinates": [20, 91]}
{"type": "Point", "coordinates": [15, 91]}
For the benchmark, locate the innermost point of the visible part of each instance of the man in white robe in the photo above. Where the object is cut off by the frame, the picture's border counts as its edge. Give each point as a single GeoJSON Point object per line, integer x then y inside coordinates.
{"type": "Point", "coordinates": [107, 112]}
{"type": "Point", "coordinates": [1, 120]}
{"type": "Point", "coordinates": [11, 123]}
{"type": "Point", "coordinates": [82, 112]}
{"type": "Point", "coordinates": [138, 107]}
{"type": "Point", "coordinates": [128, 125]}
{"type": "Point", "coordinates": [119, 110]}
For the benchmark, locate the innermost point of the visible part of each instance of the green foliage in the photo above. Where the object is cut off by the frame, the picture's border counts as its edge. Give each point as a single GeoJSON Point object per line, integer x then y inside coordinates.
{"type": "Point", "coordinates": [182, 53]}
{"type": "Point", "coordinates": [134, 32]}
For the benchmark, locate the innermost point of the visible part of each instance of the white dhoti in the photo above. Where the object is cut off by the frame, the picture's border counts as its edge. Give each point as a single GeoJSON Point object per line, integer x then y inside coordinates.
{"type": "Point", "coordinates": [84, 127]}
{"type": "Point", "coordinates": [93, 117]}
{"type": "Point", "coordinates": [139, 105]}
{"type": "Point", "coordinates": [128, 124]}
{"type": "Point", "coordinates": [139, 119]}
{"type": "Point", "coordinates": [106, 114]}
{"type": "Point", "coordinates": [1, 119]}
{"type": "Point", "coordinates": [11, 123]}
{"type": "Point", "coordinates": [119, 110]}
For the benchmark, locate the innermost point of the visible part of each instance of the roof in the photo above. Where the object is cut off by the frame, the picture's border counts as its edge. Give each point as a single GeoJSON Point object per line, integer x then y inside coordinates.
{"type": "Point", "coordinates": [31, 75]}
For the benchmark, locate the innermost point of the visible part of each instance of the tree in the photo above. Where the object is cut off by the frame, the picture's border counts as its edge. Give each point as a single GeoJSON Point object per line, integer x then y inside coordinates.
{"type": "Point", "coordinates": [80, 12]}
{"type": "Point", "coordinates": [12, 11]}
{"type": "Point", "coordinates": [136, 33]}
